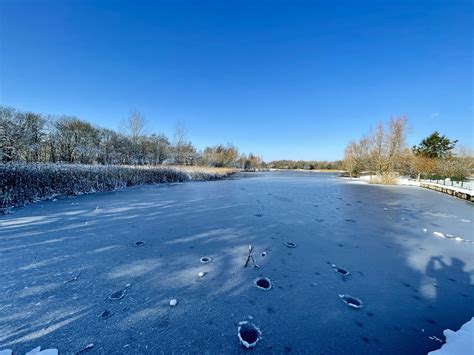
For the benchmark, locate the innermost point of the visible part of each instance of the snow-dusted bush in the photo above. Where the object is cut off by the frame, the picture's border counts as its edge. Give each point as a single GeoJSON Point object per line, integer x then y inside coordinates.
{"type": "Point", "coordinates": [22, 183]}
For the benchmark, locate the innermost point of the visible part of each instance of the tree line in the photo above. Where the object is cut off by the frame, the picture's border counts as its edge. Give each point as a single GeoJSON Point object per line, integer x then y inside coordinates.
{"type": "Point", "coordinates": [385, 154]}
{"type": "Point", "coordinates": [305, 164]}
{"type": "Point", "coordinates": [33, 137]}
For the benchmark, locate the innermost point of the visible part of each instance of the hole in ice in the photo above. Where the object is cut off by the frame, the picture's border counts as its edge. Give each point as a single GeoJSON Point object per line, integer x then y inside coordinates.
{"type": "Point", "coordinates": [206, 259]}
{"type": "Point", "coordinates": [248, 334]}
{"type": "Point", "coordinates": [259, 215]}
{"type": "Point", "coordinates": [341, 271]}
{"type": "Point", "coordinates": [350, 220]}
{"type": "Point", "coordinates": [263, 283]}
{"type": "Point", "coordinates": [139, 243]}
{"type": "Point", "coordinates": [352, 301]}
{"type": "Point", "coordinates": [117, 295]}
{"type": "Point", "coordinates": [106, 314]}
{"type": "Point", "coordinates": [264, 253]}
{"type": "Point", "coordinates": [290, 244]}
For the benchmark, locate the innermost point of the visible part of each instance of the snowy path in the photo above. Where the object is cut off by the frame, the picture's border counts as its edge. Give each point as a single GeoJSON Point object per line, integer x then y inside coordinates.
{"type": "Point", "coordinates": [72, 274]}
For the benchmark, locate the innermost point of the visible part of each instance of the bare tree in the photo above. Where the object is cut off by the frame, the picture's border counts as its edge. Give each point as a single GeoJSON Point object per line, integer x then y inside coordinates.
{"type": "Point", "coordinates": [134, 128]}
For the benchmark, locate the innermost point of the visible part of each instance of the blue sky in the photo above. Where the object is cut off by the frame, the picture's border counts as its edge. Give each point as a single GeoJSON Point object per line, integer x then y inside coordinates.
{"type": "Point", "coordinates": [284, 79]}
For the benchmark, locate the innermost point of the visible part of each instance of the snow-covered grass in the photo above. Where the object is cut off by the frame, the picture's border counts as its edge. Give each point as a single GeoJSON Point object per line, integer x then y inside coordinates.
{"type": "Point", "coordinates": [22, 183]}
{"type": "Point", "coordinates": [402, 180]}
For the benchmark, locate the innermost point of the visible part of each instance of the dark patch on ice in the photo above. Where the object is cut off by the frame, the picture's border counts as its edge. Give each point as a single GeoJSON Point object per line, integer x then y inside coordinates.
{"type": "Point", "coordinates": [75, 278]}
{"type": "Point", "coordinates": [351, 220]}
{"type": "Point", "coordinates": [359, 324]}
{"type": "Point", "coordinates": [270, 310]}
{"type": "Point", "coordinates": [248, 334]}
{"type": "Point", "coordinates": [351, 301]}
{"type": "Point", "coordinates": [258, 215]}
{"type": "Point", "coordinates": [117, 295]}
{"type": "Point", "coordinates": [370, 314]}
{"type": "Point", "coordinates": [263, 283]}
{"type": "Point", "coordinates": [315, 205]}
{"type": "Point", "coordinates": [319, 220]}
{"type": "Point", "coordinates": [376, 340]}
{"type": "Point", "coordinates": [340, 245]}
{"type": "Point", "coordinates": [367, 340]}
{"type": "Point", "coordinates": [431, 321]}
{"type": "Point", "coordinates": [416, 297]}
{"type": "Point", "coordinates": [348, 204]}
{"type": "Point", "coordinates": [342, 271]}
{"type": "Point", "coordinates": [452, 280]}
{"type": "Point", "coordinates": [162, 324]}
{"type": "Point", "coordinates": [138, 243]}
{"type": "Point", "coordinates": [287, 349]}
{"type": "Point", "coordinates": [406, 284]}
{"type": "Point", "coordinates": [263, 254]}
{"type": "Point", "coordinates": [290, 244]}
{"type": "Point", "coordinates": [206, 259]}
{"type": "Point", "coordinates": [106, 314]}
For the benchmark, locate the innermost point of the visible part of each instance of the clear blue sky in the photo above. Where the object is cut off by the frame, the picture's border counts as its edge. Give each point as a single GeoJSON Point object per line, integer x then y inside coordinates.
{"type": "Point", "coordinates": [285, 79]}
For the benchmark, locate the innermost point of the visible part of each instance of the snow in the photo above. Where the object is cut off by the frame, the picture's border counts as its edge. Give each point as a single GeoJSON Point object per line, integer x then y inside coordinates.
{"type": "Point", "coordinates": [38, 351]}
{"type": "Point", "coordinates": [458, 343]}
{"type": "Point", "coordinates": [404, 181]}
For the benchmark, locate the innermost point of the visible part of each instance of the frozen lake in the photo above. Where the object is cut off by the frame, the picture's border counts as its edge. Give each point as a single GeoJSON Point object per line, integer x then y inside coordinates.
{"type": "Point", "coordinates": [59, 262]}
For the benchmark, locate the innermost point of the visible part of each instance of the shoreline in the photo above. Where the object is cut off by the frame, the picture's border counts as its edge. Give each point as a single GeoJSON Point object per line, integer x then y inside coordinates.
{"type": "Point", "coordinates": [454, 191]}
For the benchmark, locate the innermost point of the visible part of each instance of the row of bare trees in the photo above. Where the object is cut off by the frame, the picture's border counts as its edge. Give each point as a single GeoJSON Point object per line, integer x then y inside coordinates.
{"type": "Point", "coordinates": [31, 137]}
{"type": "Point", "coordinates": [305, 164]}
{"type": "Point", "coordinates": [383, 153]}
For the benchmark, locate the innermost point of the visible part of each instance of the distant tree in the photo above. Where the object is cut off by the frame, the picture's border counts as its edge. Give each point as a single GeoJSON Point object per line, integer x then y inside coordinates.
{"type": "Point", "coordinates": [435, 146]}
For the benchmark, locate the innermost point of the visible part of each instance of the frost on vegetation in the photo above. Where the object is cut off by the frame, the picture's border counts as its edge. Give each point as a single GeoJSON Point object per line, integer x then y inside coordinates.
{"type": "Point", "coordinates": [460, 342]}
{"type": "Point", "coordinates": [23, 183]}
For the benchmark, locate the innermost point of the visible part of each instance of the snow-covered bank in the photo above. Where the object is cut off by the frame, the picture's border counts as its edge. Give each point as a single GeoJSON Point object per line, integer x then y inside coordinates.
{"type": "Point", "coordinates": [404, 181]}
{"type": "Point", "coordinates": [460, 342]}
{"type": "Point", "coordinates": [22, 183]}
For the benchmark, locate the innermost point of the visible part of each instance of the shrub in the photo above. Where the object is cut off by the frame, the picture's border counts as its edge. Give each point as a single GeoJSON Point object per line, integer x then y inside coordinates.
{"type": "Point", "coordinates": [23, 183]}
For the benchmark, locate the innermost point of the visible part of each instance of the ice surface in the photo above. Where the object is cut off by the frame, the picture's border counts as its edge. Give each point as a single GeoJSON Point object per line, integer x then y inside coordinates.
{"type": "Point", "coordinates": [407, 279]}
